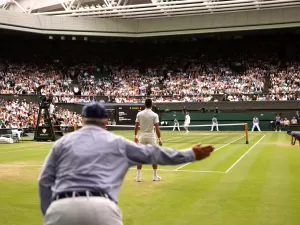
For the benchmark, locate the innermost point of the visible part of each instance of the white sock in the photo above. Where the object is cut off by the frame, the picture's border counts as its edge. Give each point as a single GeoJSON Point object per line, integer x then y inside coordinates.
{"type": "Point", "coordinates": [138, 173]}
{"type": "Point", "coordinates": [155, 172]}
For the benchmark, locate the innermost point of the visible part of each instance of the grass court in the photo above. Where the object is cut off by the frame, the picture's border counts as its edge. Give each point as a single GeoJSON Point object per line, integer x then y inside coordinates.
{"type": "Point", "coordinates": [239, 184]}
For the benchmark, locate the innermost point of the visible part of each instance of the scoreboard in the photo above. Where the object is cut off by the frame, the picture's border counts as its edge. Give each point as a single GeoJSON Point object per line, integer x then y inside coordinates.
{"type": "Point", "coordinates": [126, 114]}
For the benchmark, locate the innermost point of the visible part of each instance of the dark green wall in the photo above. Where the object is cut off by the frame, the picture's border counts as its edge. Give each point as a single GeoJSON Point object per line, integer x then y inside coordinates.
{"type": "Point", "coordinates": [223, 118]}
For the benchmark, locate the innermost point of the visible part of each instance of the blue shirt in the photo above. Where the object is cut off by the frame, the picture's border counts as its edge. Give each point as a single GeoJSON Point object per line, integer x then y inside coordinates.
{"type": "Point", "coordinates": [295, 134]}
{"type": "Point", "coordinates": [96, 160]}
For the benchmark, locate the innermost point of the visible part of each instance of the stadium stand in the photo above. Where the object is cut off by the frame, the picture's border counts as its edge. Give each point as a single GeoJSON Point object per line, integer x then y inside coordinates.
{"type": "Point", "coordinates": [252, 69]}
{"type": "Point", "coordinates": [22, 116]}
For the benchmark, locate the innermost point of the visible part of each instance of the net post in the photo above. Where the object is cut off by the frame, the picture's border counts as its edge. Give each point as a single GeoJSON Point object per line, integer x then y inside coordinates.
{"type": "Point", "coordinates": [75, 127]}
{"type": "Point", "coordinates": [246, 133]}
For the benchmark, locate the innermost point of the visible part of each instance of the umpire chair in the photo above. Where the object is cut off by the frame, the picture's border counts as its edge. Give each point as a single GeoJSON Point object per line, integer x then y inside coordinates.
{"type": "Point", "coordinates": [46, 132]}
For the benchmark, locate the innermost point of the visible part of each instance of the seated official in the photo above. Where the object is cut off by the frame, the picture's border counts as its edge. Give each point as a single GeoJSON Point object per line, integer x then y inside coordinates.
{"type": "Point", "coordinates": [286, 122]}
{"type": "Point", "coordinates": [294, 121]}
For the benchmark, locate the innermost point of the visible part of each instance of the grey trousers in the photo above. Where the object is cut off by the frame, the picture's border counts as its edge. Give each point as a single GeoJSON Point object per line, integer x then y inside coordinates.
{"type": "Point", "coordinates": [83, 211]}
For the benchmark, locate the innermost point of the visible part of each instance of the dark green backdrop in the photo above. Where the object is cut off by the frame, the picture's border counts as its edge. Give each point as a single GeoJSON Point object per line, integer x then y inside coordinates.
{"type": "Point", "coordinates": [223, 118]}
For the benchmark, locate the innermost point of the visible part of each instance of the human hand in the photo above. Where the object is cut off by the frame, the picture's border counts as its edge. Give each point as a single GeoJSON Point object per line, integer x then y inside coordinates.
{"type": "Point", "coordinates": [159, 143]}
{"type": "Point", "coordinates": [136, 140]}
{"type": "Point", "coordinates": [202, 152]}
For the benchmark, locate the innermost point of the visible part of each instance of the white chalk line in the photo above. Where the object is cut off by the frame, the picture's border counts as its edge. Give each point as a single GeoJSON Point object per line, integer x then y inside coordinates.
{"type": "Point", "coordinates": [18, 146]}
{"type": "Point", "coordinates": [25, 150]}
{"type": "Point", "coordinates": [214, 151]}
{"type": "Point", "coordinates": [166, 170]}
{"type": "Point", "coordinates": [236, 162]}
{"type": "Point", "coordinates": [176, 170]}
{"type": "Point", "coordinates": [189, 171]}
{"type": "Point", "coordinates": [19, 165]}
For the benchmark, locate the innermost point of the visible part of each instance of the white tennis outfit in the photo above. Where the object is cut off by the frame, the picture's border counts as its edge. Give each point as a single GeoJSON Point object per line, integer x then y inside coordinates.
{"type": "Point", "coordinates": [187, 121]}
{"type": "Point", "coordinates": [147, 118]}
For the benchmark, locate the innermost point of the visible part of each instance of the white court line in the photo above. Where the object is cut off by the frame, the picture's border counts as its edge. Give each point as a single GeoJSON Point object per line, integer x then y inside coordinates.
{"type": "Point", "coordinates": [19, 165]}
{"type": "Point", "coordinates": [191, 171]}
{"type": "Point", "coordinates": [234, 164]}
{"type": "Point", "coordinates": [214, 151]}
{"type": "Point", "coordinates": [24, 150]}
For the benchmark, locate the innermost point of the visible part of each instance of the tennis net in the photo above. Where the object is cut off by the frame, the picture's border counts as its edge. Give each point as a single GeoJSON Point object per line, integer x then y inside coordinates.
{"type": "Point", "coordinates": [228, 133]}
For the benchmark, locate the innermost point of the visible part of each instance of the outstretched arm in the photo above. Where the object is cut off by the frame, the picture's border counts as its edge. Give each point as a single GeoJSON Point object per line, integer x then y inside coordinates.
{"type": "Point", "coordinates": [149, 154]}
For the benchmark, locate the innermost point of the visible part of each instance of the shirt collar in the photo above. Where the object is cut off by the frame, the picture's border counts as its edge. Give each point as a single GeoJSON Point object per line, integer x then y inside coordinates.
{"type": "Point", "coordinates": [92, 126]}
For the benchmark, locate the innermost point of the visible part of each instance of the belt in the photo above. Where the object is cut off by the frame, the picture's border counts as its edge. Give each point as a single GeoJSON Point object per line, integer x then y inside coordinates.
{"type": "Point", "coordinates": [73, 194]}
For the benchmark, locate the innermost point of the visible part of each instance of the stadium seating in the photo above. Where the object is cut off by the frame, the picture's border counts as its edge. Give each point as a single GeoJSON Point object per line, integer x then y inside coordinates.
{"type": "Point", "coordinates": [175, 71]}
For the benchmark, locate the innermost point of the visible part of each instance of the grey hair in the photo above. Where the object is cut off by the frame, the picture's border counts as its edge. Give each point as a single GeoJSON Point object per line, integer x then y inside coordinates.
{"type": "Point", "coordinates": [94, 121]}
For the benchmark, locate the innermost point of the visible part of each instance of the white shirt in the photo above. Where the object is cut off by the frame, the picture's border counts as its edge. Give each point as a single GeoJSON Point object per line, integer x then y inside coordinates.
{"type": "Point", "coordinates": [147, 118]}
{"type": "Point", "coordinates": [187, 119]}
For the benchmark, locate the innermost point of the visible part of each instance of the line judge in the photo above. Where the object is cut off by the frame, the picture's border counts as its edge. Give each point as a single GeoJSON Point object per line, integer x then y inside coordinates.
{"type": "Point", "coordinates": [83, 173]}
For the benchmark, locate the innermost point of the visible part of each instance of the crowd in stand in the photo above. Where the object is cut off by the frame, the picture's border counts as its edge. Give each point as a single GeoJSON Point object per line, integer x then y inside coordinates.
{"type": "Point", "coordinates": [20, 114]}
{"type": "Point", "coordinates": [125, 85]}
{"type": "Point", "coordinates": [211, 70]}
{"type": "Point", "coordinates": [286, 82]}
{"type": "Point", "coordinates": [194, 84]}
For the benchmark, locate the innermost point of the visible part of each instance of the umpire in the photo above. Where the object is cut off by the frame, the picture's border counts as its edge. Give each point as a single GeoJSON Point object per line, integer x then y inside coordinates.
{"type": "Point", "coordinates": [82, 175]}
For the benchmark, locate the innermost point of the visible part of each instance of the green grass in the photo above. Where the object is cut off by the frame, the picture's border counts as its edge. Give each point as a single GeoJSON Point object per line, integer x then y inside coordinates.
{"type": "Point", "coordinates": [261, 188]}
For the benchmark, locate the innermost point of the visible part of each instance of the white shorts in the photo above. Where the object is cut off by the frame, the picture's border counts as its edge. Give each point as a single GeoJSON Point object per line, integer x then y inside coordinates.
{"type": "Point", "coordinates": [148, 140]}
{"type": "Point", "coordinates": [186, 124]}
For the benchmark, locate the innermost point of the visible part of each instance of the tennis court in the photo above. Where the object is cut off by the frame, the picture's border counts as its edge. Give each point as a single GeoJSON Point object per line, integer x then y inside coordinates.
{"type": "Point", "coordinates": [229, 147]}
{"type": "Point", "coordinates": [255, 183]}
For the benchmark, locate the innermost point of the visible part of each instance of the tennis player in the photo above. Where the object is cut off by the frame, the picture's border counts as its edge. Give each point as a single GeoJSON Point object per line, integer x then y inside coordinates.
{"type": "Point", "coordinates": [187, 122]}
{"type": "Point", "coordinates": [147, 120]}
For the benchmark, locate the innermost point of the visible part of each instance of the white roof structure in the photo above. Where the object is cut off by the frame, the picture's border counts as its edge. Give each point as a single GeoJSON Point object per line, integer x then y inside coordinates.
{"type": "Point", "coordinates": [140, 9]}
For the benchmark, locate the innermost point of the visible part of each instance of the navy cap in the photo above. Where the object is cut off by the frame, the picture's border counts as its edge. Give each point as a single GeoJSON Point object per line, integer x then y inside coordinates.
{"type": "Point", "coordinates": [94, 110]}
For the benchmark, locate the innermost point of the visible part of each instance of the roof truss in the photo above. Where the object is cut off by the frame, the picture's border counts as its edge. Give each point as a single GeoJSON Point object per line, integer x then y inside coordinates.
{"type": "Point", "coordinates": [149, 9]}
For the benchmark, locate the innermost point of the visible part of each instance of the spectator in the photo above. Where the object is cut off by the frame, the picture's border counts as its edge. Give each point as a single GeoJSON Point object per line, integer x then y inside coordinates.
{"type": "Point", "coordinates": [286, 122]}
{"type": "Point", "coordinates": [297, 117]}
{"type": "Point", "coordinates": [294, 121]}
